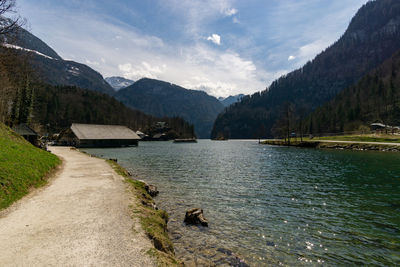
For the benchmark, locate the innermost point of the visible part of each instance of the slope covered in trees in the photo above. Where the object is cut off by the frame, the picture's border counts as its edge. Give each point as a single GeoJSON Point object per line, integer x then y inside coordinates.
{"type": "Point", "coordinates": [372, 37]}
{"type": "Point", "coordinates": [375, 98]}
{"type": "Point", "coordinates": [161, 99]}
{"type": "Point", "coordinates": [59, 106]}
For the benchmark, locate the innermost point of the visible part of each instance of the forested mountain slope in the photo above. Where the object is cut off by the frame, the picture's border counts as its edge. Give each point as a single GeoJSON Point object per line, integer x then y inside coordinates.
{"type": "Point", "coordinates": [59, 106]}
{"type": "Point", "coordinates": [372, 37]}
{"type": "Point", "coordinates": [161, 99]}
{"type": "Point", "coordinates": [375, 98]}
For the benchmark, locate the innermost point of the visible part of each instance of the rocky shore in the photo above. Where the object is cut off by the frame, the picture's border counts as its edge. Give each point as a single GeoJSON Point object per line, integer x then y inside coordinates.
{"type": "Point", "coordinates": [361, 146]}
{"type": "Point", "coordinates": [152, 219]}
{"type": "Point", "coordinates": [174, 242]}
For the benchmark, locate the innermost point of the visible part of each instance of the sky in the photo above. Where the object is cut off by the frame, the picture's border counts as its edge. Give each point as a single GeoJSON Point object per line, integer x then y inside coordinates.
{"type": "Point", "coordinates": [223, 47]}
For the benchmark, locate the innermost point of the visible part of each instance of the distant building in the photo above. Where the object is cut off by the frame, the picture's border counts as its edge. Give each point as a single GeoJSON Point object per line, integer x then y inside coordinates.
{"type": "Point", "coordinates": [160, 137]}
{"type": "Point", "coordinates": [26, 132]}
{"type": "Point", "coordinates": [378, 126]}
{"type": "Point", "coordinates": [161, 125]}
{"type": "Point", "coordinates": [94, 135]}
{"type": "Point", "coordinates": [141, 134]}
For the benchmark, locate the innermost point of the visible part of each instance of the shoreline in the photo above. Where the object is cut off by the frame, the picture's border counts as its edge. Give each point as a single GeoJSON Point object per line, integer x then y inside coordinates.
{"type": "Point", "coordinates": [340, 145]}
{"type": "Point", "coordinates": [205, 256]}
{"type": "Point", "coordinates": [153, 220]}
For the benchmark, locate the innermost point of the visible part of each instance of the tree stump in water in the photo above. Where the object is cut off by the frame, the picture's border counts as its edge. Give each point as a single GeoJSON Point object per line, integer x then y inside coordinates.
{"type": "Point", "coordinates": [195, 216]}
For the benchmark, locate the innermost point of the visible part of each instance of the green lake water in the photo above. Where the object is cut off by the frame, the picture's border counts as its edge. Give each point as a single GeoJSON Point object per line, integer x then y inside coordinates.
{"type": "Point", "coordinates": [274, 205]}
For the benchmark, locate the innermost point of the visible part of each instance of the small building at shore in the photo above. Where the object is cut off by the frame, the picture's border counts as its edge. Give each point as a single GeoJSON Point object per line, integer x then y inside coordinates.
{"type": "Point", "coordinates": [96, 135]}
{"type": "Point", "coordinates": [26, 132]}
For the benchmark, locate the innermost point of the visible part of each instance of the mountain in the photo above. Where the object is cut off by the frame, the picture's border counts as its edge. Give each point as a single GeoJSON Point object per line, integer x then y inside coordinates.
{"type": "Point", "coordinates": [24, 39]}
{"type": "Point", "coordinates": [51, 68]}
{"type": "Point", "coordinates": [59, 106]}
{"type": "Point", "coordinates": [25, 98]}
{"type": "Point", "coordinates": [160, 99]}
{"type": "Point", "coordinates": [118, 83]}
{"type": "Point", "coordinates": [372, 37]}
{"type": "Point", "coordinates": [375, 98]}
{"type": "Point", "coordinates": [227, 101]}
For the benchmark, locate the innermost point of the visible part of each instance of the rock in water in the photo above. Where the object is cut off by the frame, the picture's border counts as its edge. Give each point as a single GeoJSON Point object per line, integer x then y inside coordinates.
{"type": "Point", "coordinates": [151, 189]}
{"type": "Point", "coordinates": [195, 216]}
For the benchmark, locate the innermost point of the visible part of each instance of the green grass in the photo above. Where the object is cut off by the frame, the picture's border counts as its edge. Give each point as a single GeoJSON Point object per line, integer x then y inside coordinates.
{"type": "Point", "coordinates": [22, 166]}
{"type": "Point", "coordinates": [153, 222]}
{"type": "Point", "coordinates": [359, 138]}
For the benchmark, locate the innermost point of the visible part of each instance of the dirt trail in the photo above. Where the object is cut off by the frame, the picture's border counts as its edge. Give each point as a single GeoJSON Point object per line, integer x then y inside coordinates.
{"type": "Point", "coordinates": [81, 218]}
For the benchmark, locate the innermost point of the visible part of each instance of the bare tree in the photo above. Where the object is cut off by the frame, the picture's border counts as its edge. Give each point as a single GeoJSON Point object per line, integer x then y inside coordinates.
{"type": "Point", "coordinates": [9, 24]}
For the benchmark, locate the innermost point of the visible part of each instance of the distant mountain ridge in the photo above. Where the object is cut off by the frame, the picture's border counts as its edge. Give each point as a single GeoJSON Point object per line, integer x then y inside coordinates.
{"type": "Point", "coordinates": [51, 68]}
{"type": "Point", "coordinates": [227, 101]}
{"type": "Point", "coordinates": [160, 99]}
{"type": "Point", "coordinates": [372, 37]}
{"type": "Point", "coordinates": [118, 82]}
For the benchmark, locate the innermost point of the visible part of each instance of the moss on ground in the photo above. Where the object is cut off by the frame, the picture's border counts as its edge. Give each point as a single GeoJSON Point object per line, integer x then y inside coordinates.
{"type": "Point", "coordinates": [22, 166]}
{"type": "Point", "coordinates": [153, 221]}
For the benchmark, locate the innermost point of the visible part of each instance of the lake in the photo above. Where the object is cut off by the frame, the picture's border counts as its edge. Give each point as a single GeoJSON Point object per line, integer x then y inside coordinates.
{"type": "Point", "coordinates": [274, 205]}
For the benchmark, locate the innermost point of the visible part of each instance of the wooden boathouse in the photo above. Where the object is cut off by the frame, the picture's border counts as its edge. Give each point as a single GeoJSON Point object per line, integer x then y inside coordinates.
{"type": "Point", "coordinates": [96, 135]}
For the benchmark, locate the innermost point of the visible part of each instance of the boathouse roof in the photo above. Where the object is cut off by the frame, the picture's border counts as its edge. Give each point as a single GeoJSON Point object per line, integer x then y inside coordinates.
{"type": "Point", "coordinates": [103, 132]}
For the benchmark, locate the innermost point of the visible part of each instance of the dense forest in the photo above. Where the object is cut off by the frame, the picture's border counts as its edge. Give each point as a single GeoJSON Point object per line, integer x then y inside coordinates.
{"type": "Point", "coordinates": [160, 99]}
{"type": "Point", "coordinates": [375, 98]}
{"type": "Point", "coordinates": [372, 37]}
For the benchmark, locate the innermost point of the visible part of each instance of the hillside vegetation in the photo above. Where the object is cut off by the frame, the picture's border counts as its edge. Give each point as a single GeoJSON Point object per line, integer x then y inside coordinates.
{"type": "Point", "coordinates": [372, 37]}
{"type": "Point", "coordinates": [22, 166]}
{"type": "Point", "coordinates": [160, 99]}
{"type": "Point", "coordinates": [59, 106]}
{"type": "Point", "coordinates": [375, 98]}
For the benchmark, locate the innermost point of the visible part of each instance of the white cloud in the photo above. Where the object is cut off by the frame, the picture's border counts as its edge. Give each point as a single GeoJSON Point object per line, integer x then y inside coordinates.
{"type": "Point", "coordinates": [235, 20]}
{"type": "Point", "coordinates": [123, 50]}
{"type": "Point", "coordinates": [144, 69]}
{"type": "Point", "coordinates": [290, 58]}
{"type": "Point", "coordinates": [94, 63]}
{"type": "Point", "coordinates": [312, 49]}
{"type": "Point", "coordinates": [215, 38]}
{"type": "Point", "coordinates": [231, 11]}
{"type": "Point", "coordinates": [197, 13]}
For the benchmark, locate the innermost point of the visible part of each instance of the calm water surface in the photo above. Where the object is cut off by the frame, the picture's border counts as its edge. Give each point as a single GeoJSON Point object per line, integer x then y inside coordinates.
{"type": "Point", "coordinates": [274, 205]}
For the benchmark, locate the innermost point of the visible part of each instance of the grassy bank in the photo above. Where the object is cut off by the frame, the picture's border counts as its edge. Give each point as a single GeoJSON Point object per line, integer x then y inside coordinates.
{"type": "Point", "coordinates": [360, 138]}
{"type": "Point", "coordinates": [153, 221]}
{"type": "Point", "coordinates": [22, 166]}
{"type": "Point", "coordinates": [352, 145]}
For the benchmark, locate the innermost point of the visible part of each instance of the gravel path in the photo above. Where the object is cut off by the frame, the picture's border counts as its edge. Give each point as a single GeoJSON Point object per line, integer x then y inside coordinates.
{"type": "Point", "coordinates": [81, 218]}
